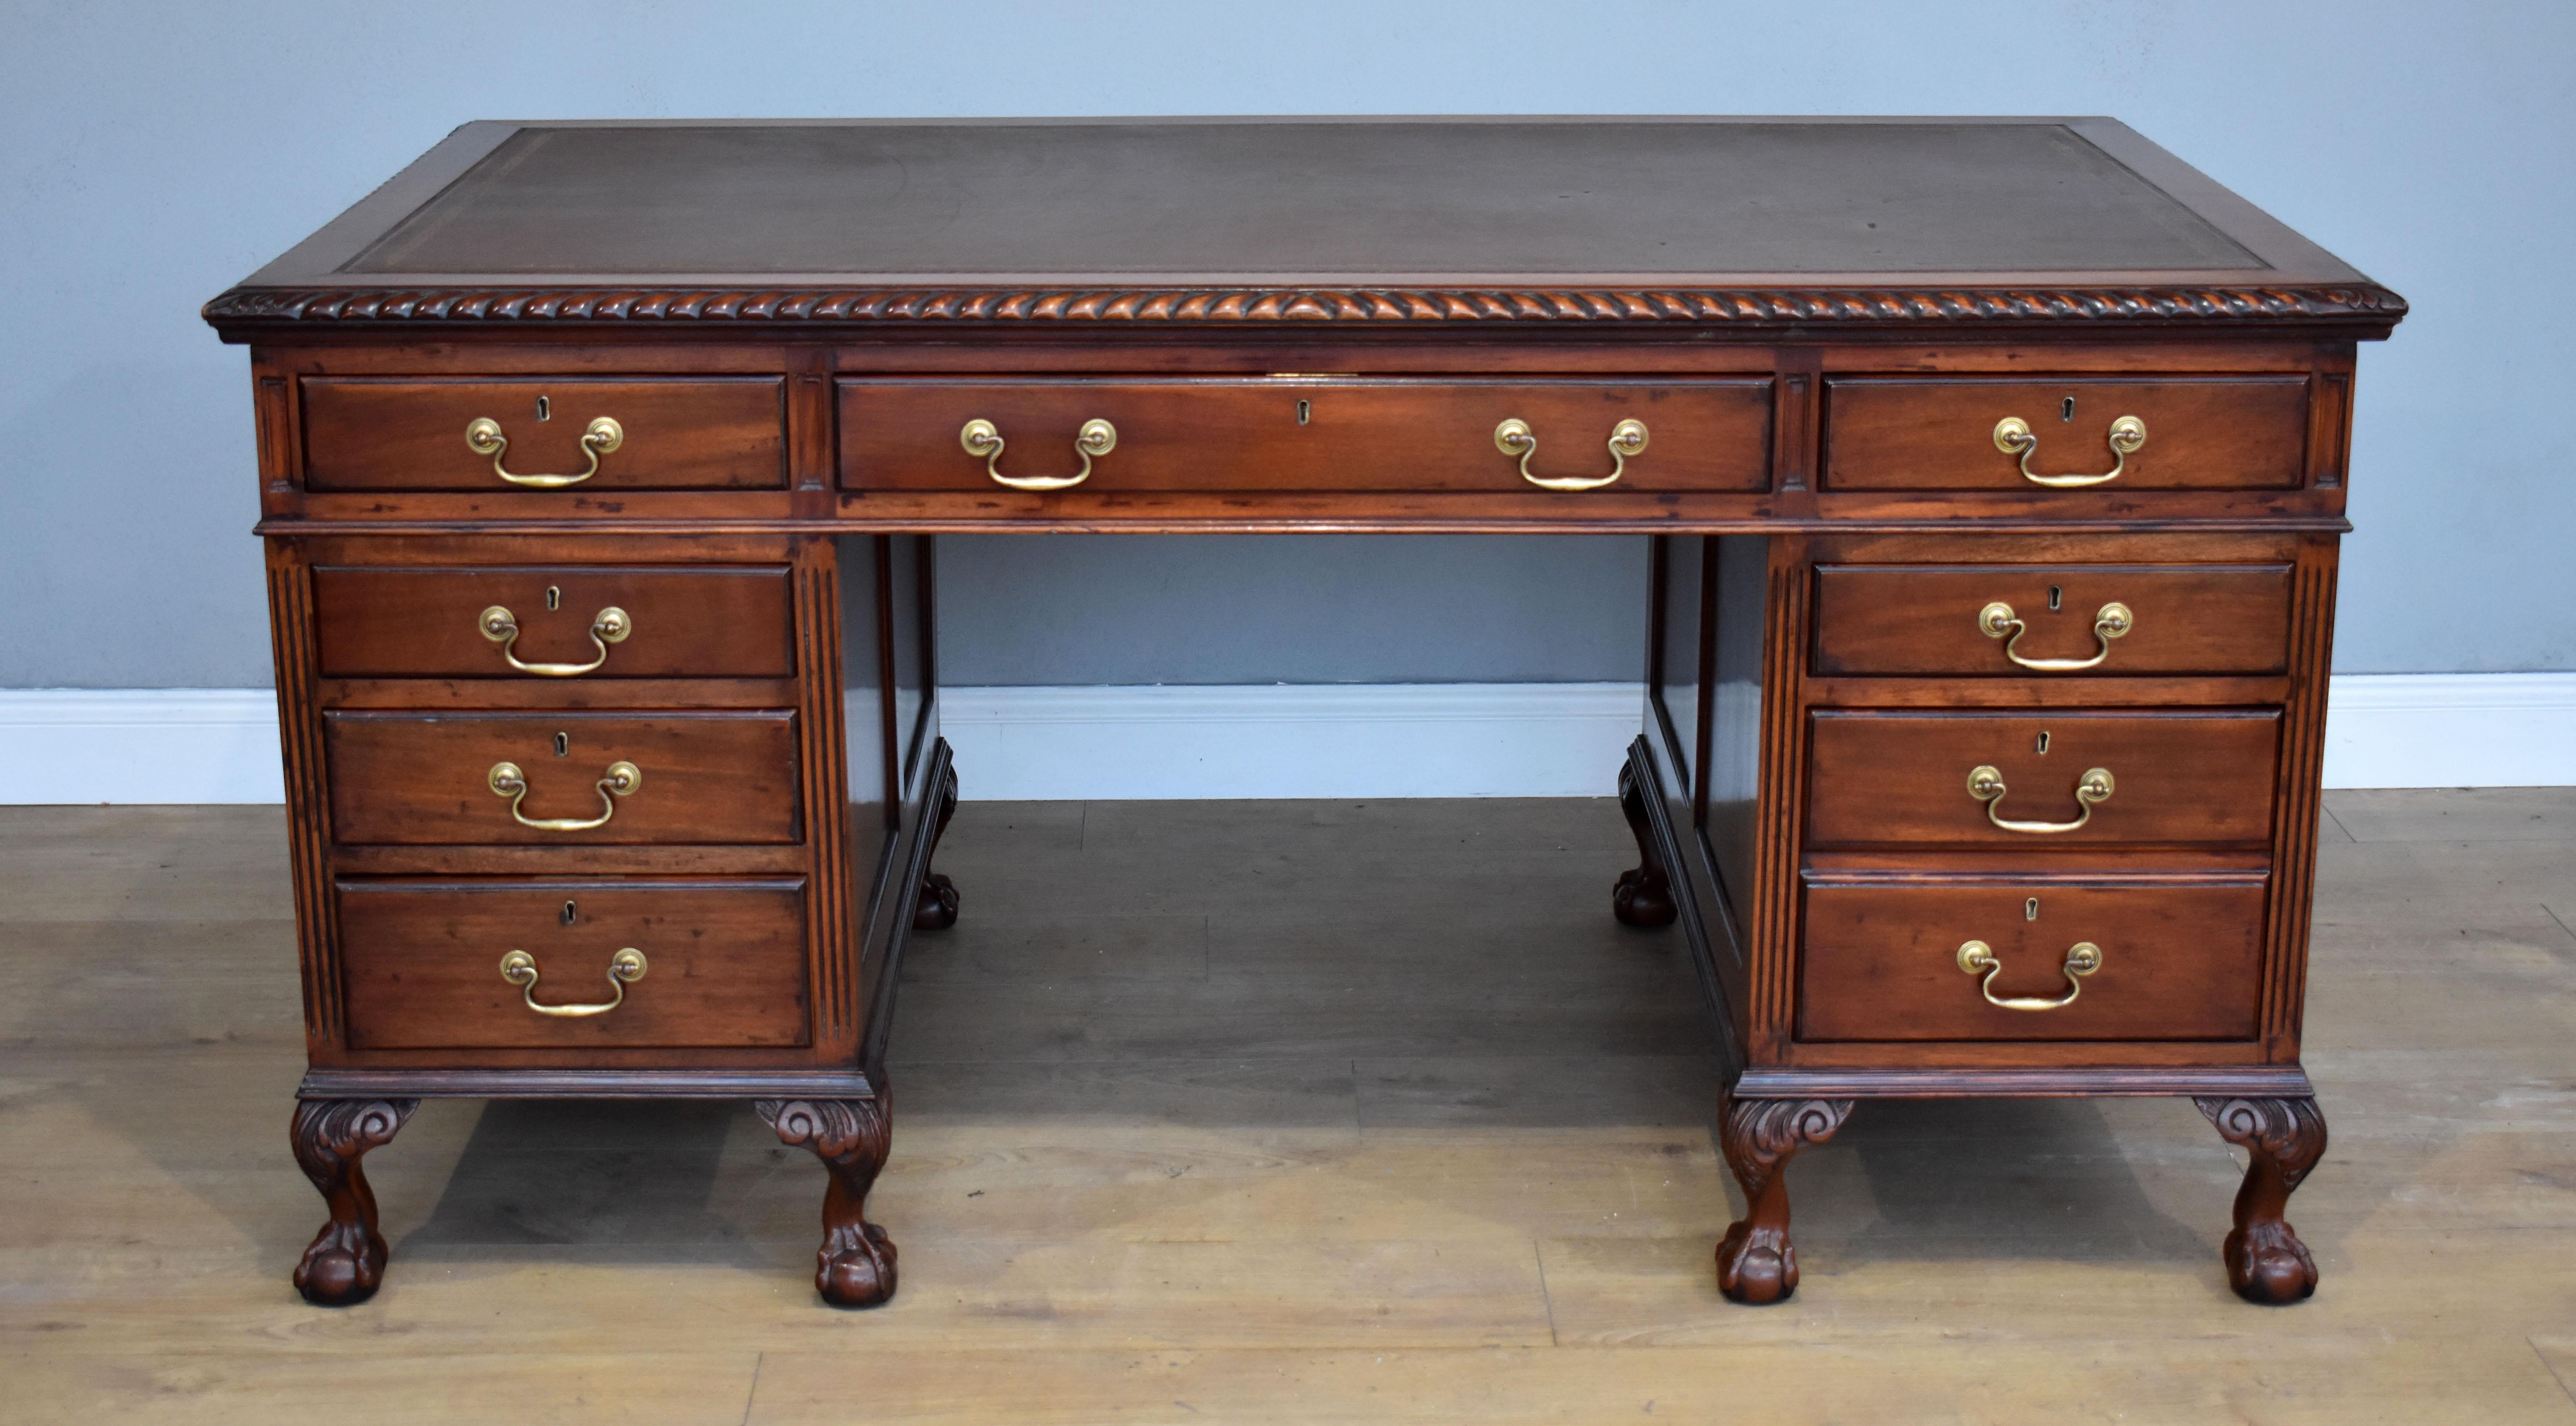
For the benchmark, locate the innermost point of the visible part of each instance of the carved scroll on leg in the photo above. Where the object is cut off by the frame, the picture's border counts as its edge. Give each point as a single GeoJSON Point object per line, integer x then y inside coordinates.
{"type": "Point", "coordinates": [346, 1260]}
{"type": "Point", "coordinates": [1643, 897]}
{"type": "Point", "coordinates": [2284, 1138]}
{"type": "Point", "coordinates": [1755, 1262]}
{"type": "Point", "coordinates": [855, 1267]}
{"type": "Point", "coordinates": [936, 908]}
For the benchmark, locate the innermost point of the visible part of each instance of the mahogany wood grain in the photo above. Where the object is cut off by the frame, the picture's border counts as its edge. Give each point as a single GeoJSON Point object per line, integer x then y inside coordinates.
{"type": "Point", "coordinates": [2180, 960]}
{"type": "Point", "coordinates": [2203, 431]}
{"type": "Point", "coordinates": [724, 963]}
{"type": "Point", "coordinates": [697, 433]}
{"type": "Point", "coordinates": [2179, 779]}
{"type": "Point", "coordinates": [701, 622]}
{"type": "Point", "coordinates": [708, 777]}
{"type": "Point", "coordinates": [1309, 433]}
{"type": "Point", "coordinates": [2193, 619]}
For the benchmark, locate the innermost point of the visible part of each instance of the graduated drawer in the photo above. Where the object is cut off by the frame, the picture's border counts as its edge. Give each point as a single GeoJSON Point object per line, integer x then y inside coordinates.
{"type": "Point", "coordinates": [2173, 960]}
{"type": "Point", "coordinates": [675, 433]}
{"type": "Point", "coordinates": [2176, 779]}
{"type": "Point", "coordinates": [723, 964]}
{"type": "Point", "coordinates": [569, 621]}
{"type": "Point", "coordinates": [428, 778]}
{"type": "Point", "coordinates": [2057, 619]}
{"type": "Point", "coordinates": [1939, 433]}
{"type": "Point", "coordinates": [1354, 433]}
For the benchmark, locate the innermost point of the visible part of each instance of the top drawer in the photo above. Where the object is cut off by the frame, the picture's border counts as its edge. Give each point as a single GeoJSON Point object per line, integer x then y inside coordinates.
{"type": "Point", "coordinates": [1307, 433]}
{"type": "Point", "coordinates": [1950, 433]}
{"type": "Point", "coordinates": [640, 433]}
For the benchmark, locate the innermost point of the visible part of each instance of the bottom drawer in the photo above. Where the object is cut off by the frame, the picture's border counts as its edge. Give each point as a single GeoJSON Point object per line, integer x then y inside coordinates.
{"type": "Point", "coordinates": [2177, 960]}
{"type": "Point", "coordinates": [722, 964]}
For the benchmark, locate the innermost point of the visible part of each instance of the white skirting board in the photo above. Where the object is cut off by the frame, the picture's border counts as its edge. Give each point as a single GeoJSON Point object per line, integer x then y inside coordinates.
{"type": "Point", "coordinates": [1367, 740]}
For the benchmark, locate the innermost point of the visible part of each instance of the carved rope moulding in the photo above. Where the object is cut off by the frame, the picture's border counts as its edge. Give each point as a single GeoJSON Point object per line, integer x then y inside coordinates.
{"type": "Point", "coordinates": [1281, 305]}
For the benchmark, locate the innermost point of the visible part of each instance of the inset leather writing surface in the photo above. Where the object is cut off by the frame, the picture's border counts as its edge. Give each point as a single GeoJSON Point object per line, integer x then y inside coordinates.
{"type": "Point", "coordinates": [1897, 619]}
{"type": "Point", "coordinates": [425, 779]}
{"type": "Point", "coordinates": [2178, 779]}
{"type": "Point", "coordinates": [724, 963]}
{"type": "Point", "coordinates": [1288, 197]}
{"type": "Point", "coordinates": [1315, 434]}
{"type": "Point", "coordinates": [426, 622]}
{"type": "Point", "coordinates": [2179, 961]}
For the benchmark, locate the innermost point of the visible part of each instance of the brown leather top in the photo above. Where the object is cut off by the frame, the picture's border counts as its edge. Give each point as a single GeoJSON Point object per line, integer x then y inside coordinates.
{"type": "Point", "coordinates": [1743, 221]}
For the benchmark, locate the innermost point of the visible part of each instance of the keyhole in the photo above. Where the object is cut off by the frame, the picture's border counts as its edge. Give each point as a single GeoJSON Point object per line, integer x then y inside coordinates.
{"type": "Point", "coordinates": [2029, 910]}
{"type": "Point", "coordinates": [2066, 410]}
{"type": "Point", "coordinates": [2056, 595]}
{"type": "Point", "coordinates": [568, 912]}
{"type": "Point", "coordinates": [563, 743]}
{"type": "Point", "coordinates": [1304, 409]}
{"type": "Point", "coordinates": [2043, 740]}
{"type": "Point", "coordinates": [554, 598]}
{"type": "Point", "coordinates": [545, 409]}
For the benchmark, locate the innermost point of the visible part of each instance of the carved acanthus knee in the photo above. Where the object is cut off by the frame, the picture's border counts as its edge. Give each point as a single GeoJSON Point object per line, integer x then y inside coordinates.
{"type": "Point", "coordinates": [855, 1266]}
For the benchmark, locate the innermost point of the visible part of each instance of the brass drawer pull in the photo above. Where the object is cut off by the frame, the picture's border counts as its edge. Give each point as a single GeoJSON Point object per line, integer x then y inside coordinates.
{"type": "Point", "coordinates": [1986, 784]}
{"type": "Point", "coordinates": [508, 781]}
{"type": "Point", "coordinates": [982, 438]}
{"type": "Point", "coordinates": [624, 968]}
{"type": "Point", "coordinates": [1513, 438]}
{"type": "Point", "coordinates": [2013, 437]}
{"type": "Point", "coordinates": [1998, 620]}
{"type": "Point", "coordinates": [609, 626]}
{"type": "Point", "coordinates": [483, 436]}
{"type": "Point", "coordinates": [2082, 959]}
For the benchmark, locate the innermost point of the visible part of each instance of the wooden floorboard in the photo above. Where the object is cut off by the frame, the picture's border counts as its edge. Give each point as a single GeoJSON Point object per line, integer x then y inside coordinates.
{"type": "Point", "coordinates": [1286, 1111]}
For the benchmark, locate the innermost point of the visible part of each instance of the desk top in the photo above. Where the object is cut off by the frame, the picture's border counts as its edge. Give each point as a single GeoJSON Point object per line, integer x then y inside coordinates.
{"type": "Point", "coordinates": [1731, 223]}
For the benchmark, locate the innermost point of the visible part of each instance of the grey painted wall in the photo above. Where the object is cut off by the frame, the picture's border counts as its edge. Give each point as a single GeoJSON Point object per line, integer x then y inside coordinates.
{"type": "Point", "coordinates": [155, 153]}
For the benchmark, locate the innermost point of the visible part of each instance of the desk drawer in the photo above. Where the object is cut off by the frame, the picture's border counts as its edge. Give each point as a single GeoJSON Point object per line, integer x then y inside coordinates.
{"type": "Point", "coordinates": [557, 621]}
{"type": "Point", "coordinates": [1313, 434]}
{"type": "Point", "coordinates": [723, 964]}
{"type": "Point", "coordinates": [2175, 961]}
{"type": "Point", "coordinates": [430, 779]}
{"type": "Point", "coordinates": [1939, 433]}
{"type": "Point", "coordinates": [673, 433]}
{"type": "Point", "coordinates": [2176, 779]}
{"type": "Point", "coordinates": [2118, 619]}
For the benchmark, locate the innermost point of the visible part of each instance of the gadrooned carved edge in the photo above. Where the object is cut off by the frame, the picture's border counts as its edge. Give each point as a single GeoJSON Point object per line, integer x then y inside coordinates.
{"type": "Point", "coordinates": [1221, 306]}
{"type": "Point", "coordinates": [2289, 1132]}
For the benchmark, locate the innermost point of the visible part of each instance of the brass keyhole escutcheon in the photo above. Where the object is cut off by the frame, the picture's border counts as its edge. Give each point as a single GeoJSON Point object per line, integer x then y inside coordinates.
{"type": "Point", "coordinates": [563, 744]}
{"type": "Point", "coordinates": [554, 598]}
{"type": "Point", "coordinates": [545, 409]}
{"type": "Point", "coordinates": [568, 913]}
{"type": "Point", "coordinates": [2029, 909]}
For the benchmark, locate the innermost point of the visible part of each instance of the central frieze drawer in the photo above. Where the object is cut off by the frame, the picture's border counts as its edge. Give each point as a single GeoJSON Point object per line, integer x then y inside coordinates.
{"type": "Point", "coordinates": [1940, 433]}
{"type": "Point", "coordinates": [2053, 619]}
{"type": "Point", "coordinates": [1346, 433]}
{"type": "Point", "coordinates": [2028, 781]}
{"type": "Point", "coordinates": [713, 964]}
{"type": "Point", "coordinates": [2171, 960]}
{"type": "Point", "coordinates": [467, 779]}
{"type": "Point", "coordinates": [571, 621]}
{"type": "Point", "coordinates": [670, 433]}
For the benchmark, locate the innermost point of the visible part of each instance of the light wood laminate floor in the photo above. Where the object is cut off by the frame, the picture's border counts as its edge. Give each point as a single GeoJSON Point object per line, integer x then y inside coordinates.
{"type": "Point", "coordinates": [1284, 1111]}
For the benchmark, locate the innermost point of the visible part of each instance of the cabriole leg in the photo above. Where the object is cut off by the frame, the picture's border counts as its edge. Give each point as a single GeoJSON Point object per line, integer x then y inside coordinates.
{"type": "Point", "coordinates": [1755, 1262]}
{"type": "Point", "coordinates": [855, 1267]}
{"type": "Point", "coordinates": [936, 909]}
{"type": "Point", "coordinates": [2266, 1262]}
{"type": "Point", "coordinates": [346, 1260]}
{"type": "Point", "coordinates": [1643, 897]}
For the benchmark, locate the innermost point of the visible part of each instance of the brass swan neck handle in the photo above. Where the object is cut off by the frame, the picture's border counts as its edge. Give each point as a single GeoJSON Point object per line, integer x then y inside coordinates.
{"type": "Point", "coordinates": [624, 969]}
{"type": "Point", "coordinates": [2082, 959]}
{"type": "Point", "coordinates": [1986, 784]}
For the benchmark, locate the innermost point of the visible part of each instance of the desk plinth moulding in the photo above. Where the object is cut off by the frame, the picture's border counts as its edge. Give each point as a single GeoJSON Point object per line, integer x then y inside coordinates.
{"type": "Point", "coordinates": [1993, 472]}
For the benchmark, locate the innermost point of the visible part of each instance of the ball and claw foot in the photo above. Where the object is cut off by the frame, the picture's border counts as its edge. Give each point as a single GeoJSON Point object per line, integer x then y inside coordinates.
{"type": "Point", "coordinates": [1644, 896]}
{"type": "Point", "coordinates": [345, 1262]}
{"type": "Point", "coordinates": [855, 1266]}
{"type": "Point", "coordinates": [1756, 1263]}
{"type": "Point", "coordinates": [936, 909]}
{"type": "Point", "coordinates": [2282, 1139]}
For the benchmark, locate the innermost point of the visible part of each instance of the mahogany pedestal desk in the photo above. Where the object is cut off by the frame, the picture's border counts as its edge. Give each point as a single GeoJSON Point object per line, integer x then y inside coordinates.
{"type": "Point", "coordinates": [1994, 471]}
